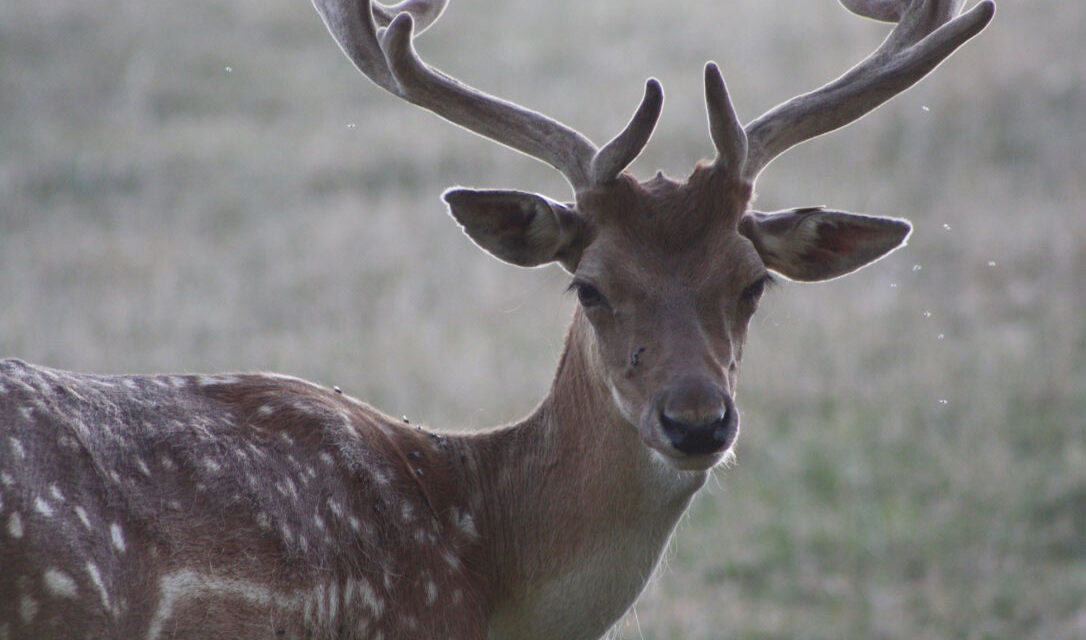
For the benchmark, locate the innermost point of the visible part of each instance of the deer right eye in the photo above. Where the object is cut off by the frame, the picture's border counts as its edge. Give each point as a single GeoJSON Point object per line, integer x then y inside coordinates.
{"type": "Point", "coordinates": [589, 296]}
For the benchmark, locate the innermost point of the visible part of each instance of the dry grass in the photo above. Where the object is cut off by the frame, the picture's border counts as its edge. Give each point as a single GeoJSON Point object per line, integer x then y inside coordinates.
{"type": "Point", "coordinates": [210, 186]}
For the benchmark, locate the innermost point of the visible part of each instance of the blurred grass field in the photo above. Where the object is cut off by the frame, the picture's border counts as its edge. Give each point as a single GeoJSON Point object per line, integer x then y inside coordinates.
{"type": "Point", "coordinates": [209, 185]}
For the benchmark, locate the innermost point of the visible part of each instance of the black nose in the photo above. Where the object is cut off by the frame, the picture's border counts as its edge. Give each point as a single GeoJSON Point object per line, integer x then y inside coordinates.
{"type": "Point", "coordinates": [698, 417]}
{"type": "Point", "coordinates": [699, 439]}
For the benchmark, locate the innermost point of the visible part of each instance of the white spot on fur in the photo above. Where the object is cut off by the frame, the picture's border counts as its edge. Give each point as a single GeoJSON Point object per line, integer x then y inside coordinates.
{"type": "Point", "coordinates": [407, 512]}
{"type": "Point", "coordinates": [355, 524]}
{"type": "Point", "coordinates": [16, 446]}
{"type": "Point", "coordinates": [28, 608]}
{"type": "Point", "coordinates": [54, 491]}
{"type": "Point", "coordinates": [26, 413]}
{"type": "Point", "coordinates": [96, 578]}
{"type": "Point", "coordinates": [266, 410]}
{"type": "Point", "coordinates": [466, 524]}
{"type": "Point", "coordinates": [59, 584]}
{"type": "Point", "coordinates": [6, 479]}
{"type": "Point", "coordinates": [187, 585]}
{"type": "Point", "coordinates": [82, 513]}
{"type": "Point", "coordinates": [431, 593]}
{"type": "Point", "coordinates": [143, 468]}
{"type": "Point", "coordinates": [316, 601]}
{"type": "Point", "coordinates": [43, 507]}
{"type": "Point", "coordinates": [117, 535]}
{"type": "Point", "coordinates": [327, 458]}
{"type": "Point", "coordinates": [348, 593]}
{"type": "Point", "coordinates": [333, 601]}
{"type": "Point", "coordinates": [287, 488]}
{"type": "Point", "coordinates": [369, 597]}
{"type": "Point", "coordinates": [336, 508]}
{"type": "Point", "coordinates": [15, 525]}
{"type": "Point", "coordinates": [167, 463]}
{"type": "Point", "coordinates": [286, 438]}
{"type": "Point", "coordinates": [212, 466]}
{"type": "Point", "coordinates": [308, 605]}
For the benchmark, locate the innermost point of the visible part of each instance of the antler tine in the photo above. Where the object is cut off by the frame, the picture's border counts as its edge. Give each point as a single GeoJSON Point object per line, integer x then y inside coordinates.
{"type": "Point", "coordinates": [926, 34]}
{"type": "Point", "coordinates": [388, 58]}
{"type": "Point", "coordinates": [727, 134]}
{"type": "Point", "coordinates": [624, 148]}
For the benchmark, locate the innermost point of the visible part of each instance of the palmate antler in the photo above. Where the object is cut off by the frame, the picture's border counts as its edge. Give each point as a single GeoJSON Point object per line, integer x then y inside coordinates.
{"type": "Point", "coordinates": [378, 39]}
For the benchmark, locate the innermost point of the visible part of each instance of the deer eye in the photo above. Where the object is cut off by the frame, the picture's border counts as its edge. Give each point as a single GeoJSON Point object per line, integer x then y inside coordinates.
{"type": "Point", "coordinates": [754, 292]}
{"type": "Point", "coordinates": [589, 296]}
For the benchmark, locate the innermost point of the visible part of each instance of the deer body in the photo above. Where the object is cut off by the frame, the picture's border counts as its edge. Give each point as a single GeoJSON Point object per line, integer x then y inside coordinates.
{"type": "Point", "coordinates": [156, 513]}
{"type": "Point", "coordinates": [147, 506]}
{"type": "Point", "coordinates": [260, 506]}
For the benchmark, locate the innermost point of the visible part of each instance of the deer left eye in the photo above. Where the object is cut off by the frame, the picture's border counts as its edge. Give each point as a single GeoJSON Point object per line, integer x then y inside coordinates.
{"type": "Point", "coordinates": [754, 292]}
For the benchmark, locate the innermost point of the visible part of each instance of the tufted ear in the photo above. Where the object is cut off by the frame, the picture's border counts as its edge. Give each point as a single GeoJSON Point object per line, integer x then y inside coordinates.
{"type": "Point", "coordinates": [813, 244]}
{"type": "Point", "coordinates": [519, 228]}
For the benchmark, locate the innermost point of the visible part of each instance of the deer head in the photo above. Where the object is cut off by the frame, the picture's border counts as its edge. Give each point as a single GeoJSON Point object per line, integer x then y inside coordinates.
{"type": "Point", "coordinates": [667, 273]}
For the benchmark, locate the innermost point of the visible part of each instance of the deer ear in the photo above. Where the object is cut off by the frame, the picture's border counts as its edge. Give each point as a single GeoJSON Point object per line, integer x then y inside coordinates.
{"type": "Point", "coordinates": [812, 244]}
{"type": "Point", "coordinates": [519, 228]}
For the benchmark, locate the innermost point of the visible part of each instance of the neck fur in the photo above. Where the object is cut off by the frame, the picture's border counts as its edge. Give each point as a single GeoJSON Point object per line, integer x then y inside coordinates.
{"type": "Point", "coordinates": [577, 508]}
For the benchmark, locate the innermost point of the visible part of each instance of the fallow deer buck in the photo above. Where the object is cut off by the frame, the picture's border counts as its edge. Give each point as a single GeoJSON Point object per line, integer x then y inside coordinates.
{"type": "Point", "coordinates": [261, 506]}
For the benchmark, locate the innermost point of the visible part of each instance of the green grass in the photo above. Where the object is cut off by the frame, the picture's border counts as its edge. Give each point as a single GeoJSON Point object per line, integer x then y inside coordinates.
{"type": "Point", "coordinates": [210, 186]}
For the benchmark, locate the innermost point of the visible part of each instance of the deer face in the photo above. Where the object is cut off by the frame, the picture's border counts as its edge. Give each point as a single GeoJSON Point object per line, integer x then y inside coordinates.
{"type": "Point", "coordinates": [668, 286]}
{"type": "Point", "coordinates": [668, 275]}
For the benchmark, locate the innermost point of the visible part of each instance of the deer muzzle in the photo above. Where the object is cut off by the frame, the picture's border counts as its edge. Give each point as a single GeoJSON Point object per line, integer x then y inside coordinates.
{"type": "Point", "coordinates": [697, 417]}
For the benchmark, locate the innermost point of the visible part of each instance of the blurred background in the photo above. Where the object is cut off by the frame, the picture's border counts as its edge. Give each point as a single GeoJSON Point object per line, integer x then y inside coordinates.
{"type": "Point", "coordinates": [209, 185]}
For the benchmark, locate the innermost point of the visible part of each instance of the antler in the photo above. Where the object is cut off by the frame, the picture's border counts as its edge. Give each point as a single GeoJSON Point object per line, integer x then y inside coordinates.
{"type": "Point", "coordinates": [927, 32]}
{"type": "Point", "coordinates": [388, 58]}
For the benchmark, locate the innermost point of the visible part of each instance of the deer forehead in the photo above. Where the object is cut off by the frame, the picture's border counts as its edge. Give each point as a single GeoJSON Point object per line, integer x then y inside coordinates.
{"type": "Point", "coordinates": [661, 230]}
{"type": "Point", "coordinates": [717, 262]}
{"type": "Point", "coordinates": [667, 208]}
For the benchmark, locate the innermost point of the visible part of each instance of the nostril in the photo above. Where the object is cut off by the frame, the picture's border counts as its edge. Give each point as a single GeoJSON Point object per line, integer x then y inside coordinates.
{"type": "Point", "coordinates": [701, 437]}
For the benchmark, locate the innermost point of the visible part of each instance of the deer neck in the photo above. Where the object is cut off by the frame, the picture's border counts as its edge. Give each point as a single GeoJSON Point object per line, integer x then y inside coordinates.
{"type": "Point", "coordinates": [578, 508]}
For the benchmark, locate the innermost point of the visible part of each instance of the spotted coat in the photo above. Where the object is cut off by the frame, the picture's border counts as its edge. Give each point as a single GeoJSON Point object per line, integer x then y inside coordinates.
{"type": "Point", "coordinates": [131, 506]}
